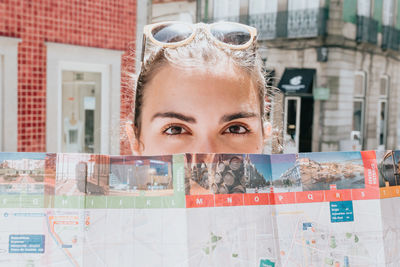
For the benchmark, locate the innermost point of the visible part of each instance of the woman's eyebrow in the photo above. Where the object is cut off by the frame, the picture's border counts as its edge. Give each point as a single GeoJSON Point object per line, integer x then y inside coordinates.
{"type": "Point", "coordinates": [239, 115]}
{"type": "Point", "coordinates": [174, 115]}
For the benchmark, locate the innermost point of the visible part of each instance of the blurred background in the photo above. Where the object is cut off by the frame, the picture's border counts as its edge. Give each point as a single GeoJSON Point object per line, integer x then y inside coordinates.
{"type": "Point", "coordinates": [64, 66]}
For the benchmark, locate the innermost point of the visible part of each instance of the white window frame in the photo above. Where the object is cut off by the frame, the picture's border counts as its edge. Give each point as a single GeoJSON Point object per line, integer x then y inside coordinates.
{"type": "Point", "coordinates": [360, 98]}
{"type": "Point", "coordinates": [9, 94]}
{"type": "Point", "coordinates": [383, 99]}
{"type": "Point", "coordinates": [362, 101]}
{"type": "Point", "coordinates": [62, 57]}
{"type": "Point", "coordinates": [380, 101]}
{"type": "Point", "coordinates": [298, 110]}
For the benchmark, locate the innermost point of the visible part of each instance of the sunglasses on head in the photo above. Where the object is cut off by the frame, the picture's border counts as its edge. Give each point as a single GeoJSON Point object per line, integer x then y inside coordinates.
{"type": "Point", "coordinates": [172, 34]}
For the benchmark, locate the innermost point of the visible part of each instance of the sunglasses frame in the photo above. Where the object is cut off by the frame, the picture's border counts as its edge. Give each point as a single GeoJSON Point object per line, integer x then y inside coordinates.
{"type": "Point", "coordinates": [149, 28]}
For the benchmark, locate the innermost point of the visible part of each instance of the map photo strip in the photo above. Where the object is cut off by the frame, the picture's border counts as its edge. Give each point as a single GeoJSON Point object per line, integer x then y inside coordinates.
{"type": "Point", "coordinates": [324, 208]}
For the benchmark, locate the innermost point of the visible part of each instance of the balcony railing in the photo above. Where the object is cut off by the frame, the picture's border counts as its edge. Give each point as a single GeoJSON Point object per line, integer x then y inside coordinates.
{"type": "Point", "coordinates": [306, 23]}
{"type": "Point", "coordinates": [390, 38]}
{"type": "Point", "coordinates": [266, 25]}
{"type": "Point", "coordinates": [284, 24]}
{"type": "Point", "coordinates": [367, 30]}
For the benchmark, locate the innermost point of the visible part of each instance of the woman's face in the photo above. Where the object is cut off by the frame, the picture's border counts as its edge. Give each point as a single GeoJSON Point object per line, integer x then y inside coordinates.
{"type": "Point", "coordinates": [205, 111]}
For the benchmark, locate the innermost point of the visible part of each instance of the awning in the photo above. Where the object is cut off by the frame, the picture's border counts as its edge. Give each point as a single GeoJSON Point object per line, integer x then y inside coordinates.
{"type": "Point", "coordinates": [299, 81]}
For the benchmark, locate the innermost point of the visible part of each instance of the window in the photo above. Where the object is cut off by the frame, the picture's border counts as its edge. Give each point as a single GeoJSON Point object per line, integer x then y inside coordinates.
{"type": "Point", "coordinates": [384, 87]}
{"type": "Point", "coordinates": [303, 4]}
{"type": "Point", "coordinates": [359, 84]}
{"type": "Point", "coordinates": [227, 10]}
{"type": "Point", "coordinates": [262, 6]}
{"type": "Point", "coordinates": [303, 18]}
{"type": "Point", "coordinates": [382, 114]}
{"type": "Point", "coordinates": [369, 17]}
{"type": "Point", "coordinates": [262, 16]}
{"type": "Point", "coordinates": [364, 8]}
{"type": "Point", "coordinates": [359, 106]}
{"type": "Point", "coordinates": [171, 11]}
{"type": "Point", "coordinates": [388, 12]}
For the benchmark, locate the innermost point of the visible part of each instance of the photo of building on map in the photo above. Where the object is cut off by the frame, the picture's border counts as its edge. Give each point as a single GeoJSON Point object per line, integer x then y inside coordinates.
{"type": "Point", "coordinates": [80, 174]}
{"type": "Point", "coordinates": [50, 174]}
{"type": "Point", "coordinates": [70, 179]}
{"type": "Point", "coordinates": [389, 168]}
{"type": "Point", "coordinates": [149, 176]}
{"type": "Point", "coordinates": [22, 173]}
{"type": "Point", "coordinates": [227, 174]}
{"type": "Point", "coordinates": [333, 170]}
{"type": "Point", "coordinates": [286, 174]}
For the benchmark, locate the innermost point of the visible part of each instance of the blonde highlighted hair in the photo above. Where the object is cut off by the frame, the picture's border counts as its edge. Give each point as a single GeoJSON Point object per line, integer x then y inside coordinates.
{"type": "Point", "coordinates": [201, 52]}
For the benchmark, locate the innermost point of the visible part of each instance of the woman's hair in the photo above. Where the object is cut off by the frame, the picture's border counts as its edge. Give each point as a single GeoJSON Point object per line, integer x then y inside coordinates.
{"type": "Point", "coordinates": [201, 52]}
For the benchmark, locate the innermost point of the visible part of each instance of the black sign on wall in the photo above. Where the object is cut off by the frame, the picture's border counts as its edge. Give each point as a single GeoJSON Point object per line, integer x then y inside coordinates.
{"type": "Point", "coordinates": [297, 81]}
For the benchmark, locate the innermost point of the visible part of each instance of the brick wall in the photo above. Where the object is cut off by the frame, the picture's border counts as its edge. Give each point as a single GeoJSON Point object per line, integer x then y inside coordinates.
{"type": "Point", "coordinates": [103, 24]}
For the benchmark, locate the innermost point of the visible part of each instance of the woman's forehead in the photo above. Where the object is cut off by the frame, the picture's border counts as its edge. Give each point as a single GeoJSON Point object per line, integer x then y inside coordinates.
{"type": "Point", "coordinates": [219, 71]}
{"type": "Point", "coordinates": [171, 75]}
{"type": "Point", "coordinates": [199, 89]}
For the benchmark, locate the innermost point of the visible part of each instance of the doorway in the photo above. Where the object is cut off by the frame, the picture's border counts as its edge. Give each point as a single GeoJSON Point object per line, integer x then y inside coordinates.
{"type": "Point", "coordinates": [81, 99]}
{"type": "Point", "coordinates": [298, 122]}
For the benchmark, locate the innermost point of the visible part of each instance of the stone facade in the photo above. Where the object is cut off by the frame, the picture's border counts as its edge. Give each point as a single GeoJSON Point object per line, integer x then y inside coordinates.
{"type": "Point", "coordinates": [333, 118]}
{"type": "Point", "coordinates": [356, 48]}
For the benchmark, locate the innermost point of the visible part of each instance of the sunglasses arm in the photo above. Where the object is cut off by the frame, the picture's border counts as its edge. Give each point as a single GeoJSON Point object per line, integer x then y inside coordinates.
{"type": "Point", "coordinates": [143, 48]}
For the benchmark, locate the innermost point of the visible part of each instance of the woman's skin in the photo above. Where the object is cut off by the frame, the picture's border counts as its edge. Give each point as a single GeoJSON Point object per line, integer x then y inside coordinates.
{"type": "Point", "coordinates": [208, 110]}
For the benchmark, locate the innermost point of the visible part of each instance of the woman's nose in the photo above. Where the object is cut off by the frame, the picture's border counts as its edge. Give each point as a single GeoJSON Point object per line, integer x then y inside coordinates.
{"type": "Point", "coordinates": [207, 144]}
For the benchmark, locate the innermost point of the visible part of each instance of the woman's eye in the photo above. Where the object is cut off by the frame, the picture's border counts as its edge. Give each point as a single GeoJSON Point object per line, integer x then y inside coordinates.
{"type": "Point", "coordinates": [174, 130]}
{"type": "Point", "coordinates": [236, 129]}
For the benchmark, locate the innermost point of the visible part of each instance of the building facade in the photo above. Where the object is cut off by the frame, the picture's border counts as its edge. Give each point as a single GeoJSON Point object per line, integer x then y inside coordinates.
{"type": "Point", "coordinates": [153, 11]}
{"type": "Point", "coordinates": [61, 69]}
{"type": "Point", "coordinates": [336, 63]}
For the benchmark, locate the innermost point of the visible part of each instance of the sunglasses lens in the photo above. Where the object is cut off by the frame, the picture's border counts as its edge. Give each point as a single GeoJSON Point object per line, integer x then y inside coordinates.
{"type": "Point", "coordinates": [230, 33]}
{"type": "Point", "coordinates": [172, 33]}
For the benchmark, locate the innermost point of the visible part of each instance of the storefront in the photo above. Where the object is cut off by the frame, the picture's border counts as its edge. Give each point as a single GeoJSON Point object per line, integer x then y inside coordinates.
{"type": "Point", "coordinates": [297, 86]}
{"type": "Point", "coordinates": [85, 107]}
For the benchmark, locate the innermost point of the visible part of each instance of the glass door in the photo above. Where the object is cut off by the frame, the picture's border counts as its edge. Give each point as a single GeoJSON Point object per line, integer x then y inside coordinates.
{"type": "Point", "coordinates": [291, 124]}
{"type": "Point", "coordinates": [81, 92]}
{"type": "Point", "coordinates": [382, 124]}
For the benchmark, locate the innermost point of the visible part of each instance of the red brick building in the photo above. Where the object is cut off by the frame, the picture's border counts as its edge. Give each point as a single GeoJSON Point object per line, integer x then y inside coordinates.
{"type": "Point", "coordinates": [61, 70]}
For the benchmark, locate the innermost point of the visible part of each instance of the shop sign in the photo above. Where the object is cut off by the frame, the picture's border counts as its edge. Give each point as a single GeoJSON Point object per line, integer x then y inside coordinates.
{"type": "Point", "coordinates": [321, 93]}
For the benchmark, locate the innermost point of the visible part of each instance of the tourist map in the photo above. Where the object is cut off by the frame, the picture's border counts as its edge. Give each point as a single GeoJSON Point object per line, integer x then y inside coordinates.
{"type": "Point", "coordinates": [307, 209]}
